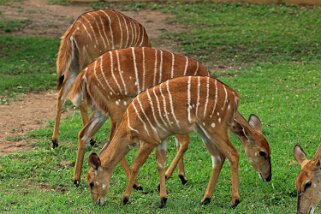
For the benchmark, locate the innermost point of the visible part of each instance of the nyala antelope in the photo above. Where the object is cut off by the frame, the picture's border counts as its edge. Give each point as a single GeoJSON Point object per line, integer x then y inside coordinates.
{"type": "Point", "coordinates": [177, 106]}
{"type": "Point", "coordinates": [308, 181]}
{"type": "Point", "coordinates": [111, 82]}
{"type": "Point", "coordinates": [92, 34]}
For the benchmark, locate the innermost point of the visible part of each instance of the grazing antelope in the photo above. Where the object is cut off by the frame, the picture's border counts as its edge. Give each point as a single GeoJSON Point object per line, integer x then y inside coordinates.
{"type": "Point", "coordinates": [308, 182]}
{"type": "Point", "coordinates": [177, 106]}
{"type": "Point", "coordinates": [92, 34]}
{"type": "Point", "coordinates": [111, 82]}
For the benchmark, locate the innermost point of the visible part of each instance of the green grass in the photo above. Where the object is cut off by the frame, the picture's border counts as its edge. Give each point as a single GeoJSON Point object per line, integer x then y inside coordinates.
{"type": "Point", "coordinates": [279, 80]}
{"type": "Point", "coordinates": [11, 25]}
{"type": "Point", "coordinates": [27, 64]}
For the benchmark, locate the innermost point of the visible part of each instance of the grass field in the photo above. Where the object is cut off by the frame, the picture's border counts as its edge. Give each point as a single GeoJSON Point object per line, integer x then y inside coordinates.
{"type": "Point", "coordinates": [274, 55]}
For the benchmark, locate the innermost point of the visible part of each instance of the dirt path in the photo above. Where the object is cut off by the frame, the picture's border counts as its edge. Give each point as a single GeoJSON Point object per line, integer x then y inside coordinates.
{"type": "Point", "coordinates": [32, 111]}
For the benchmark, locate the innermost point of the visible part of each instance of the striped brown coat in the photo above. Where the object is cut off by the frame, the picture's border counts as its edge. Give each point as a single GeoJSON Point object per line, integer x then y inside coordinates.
{"type": "Point", "coordinates": [92, 34]}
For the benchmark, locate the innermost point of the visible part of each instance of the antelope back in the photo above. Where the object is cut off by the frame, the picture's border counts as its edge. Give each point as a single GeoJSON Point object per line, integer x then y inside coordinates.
{"type": "Point", "coordinates": [124, 73]}
{"type": "Point", "coordinates": [308, 181]}
{"type": "Point", "coordinates": [178, 105]}
{"type": "Point", "coordinates": [96, 32]}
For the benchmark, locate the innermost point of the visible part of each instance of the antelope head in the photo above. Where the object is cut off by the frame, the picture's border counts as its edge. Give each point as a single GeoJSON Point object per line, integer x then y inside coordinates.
{"type": "Point", "coordinates": [98, 179]}
{"type": "Point", "coordinates": [256, 147]}
{"type": "Point", "coordinates": [308, 182]}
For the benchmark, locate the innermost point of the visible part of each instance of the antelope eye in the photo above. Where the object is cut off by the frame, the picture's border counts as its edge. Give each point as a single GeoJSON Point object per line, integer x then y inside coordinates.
{"type": "Point", "coordinates": [91, 184]}
{"type": "Point", "coordinates": [263, 154]}
{"type": "Point", "coordinates": [307, 185]}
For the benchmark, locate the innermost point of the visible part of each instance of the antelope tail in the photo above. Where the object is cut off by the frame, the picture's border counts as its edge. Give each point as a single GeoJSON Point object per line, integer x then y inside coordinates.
{"type": "Point", "coordinates": [67, 58]}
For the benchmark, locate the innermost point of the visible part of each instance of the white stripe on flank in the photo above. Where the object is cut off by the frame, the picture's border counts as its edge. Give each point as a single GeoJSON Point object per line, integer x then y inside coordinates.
{"type": "Point", "coordinates": [121, 30]}
{"type": "Point", "coordinates": [99, 31]}
{"type": "Point", "coordinates": [171, 104]}
{"type": "Point", "coordinates": [197, 66]}
{"type": "Point", "coordinates": [141, 107]}
{"type": "Point", "coordinates": [132, 33]}
{"type": "Point", "coordinates": [139, 117]}
{"type": "Point", "coordinates": [164, 105]}
{"type": "Point", "coordinates": [143, 88]}
{"type": "Point", "coordinates": [207, 94]}
{"type": "Point", "coordinates": [198, 95]}
{"type": "Point", "coordinates": [129, 126]}
{"type": "Point", "coordinates": [159, 108]}
{"type": "Point", "coordinates": [127, 35]}
{"type": "Point", "coordinates": [155, 67]}
{"type": "Point", "coordinates": [173, 63]}
{"type": "Point", "coordinates": [91, 29]}
{"type": "Point", "coordinates": [136, 71]}
{"type": "Point", "coordinates": [111, 30]}
{"type": "Point", "coordinates": [138, 34]}
{"type": "Point", "coordinates": [104, 32]}
{"type": "Point", "coordinates": [112, 70]}
{"type": "Point", "coordinates": [120, 72]}
{"type": "Point", "coordinates": [160, 67]}
{"type": "Point", "coordinates": [95, 72]}
{"type": "Point", "coordinates": [135, 29]}
{"type": "Point", "coordinates": [143, 35]}
{"type": "Point", "coordinates": [225, 97]}
{"type": "Point", "coordinates": [186, 65]}
{"type": "Point", "coordinates": [153, 111]}
{"type": "Point", "coordinates": [86, 31]}
{"type": "Point", "coordinates": [215, 102]}
{"type": "Point", "coordinates": [103, 73]}
{"type": "Point", "coordinates": [189, 99]}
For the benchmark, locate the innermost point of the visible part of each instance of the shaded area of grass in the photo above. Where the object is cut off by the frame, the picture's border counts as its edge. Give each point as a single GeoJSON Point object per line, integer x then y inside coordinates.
{"type": "Point", "coordinates": [27, 64]}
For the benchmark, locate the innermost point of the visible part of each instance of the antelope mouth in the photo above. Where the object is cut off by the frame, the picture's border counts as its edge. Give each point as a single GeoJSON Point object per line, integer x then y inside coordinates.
{"type": "Point", "coordinates": [265, 179]}
{"type": "Point", "coordinates": [100, 202]}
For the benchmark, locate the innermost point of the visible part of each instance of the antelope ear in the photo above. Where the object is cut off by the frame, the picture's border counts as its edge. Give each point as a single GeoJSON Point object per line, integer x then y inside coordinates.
{"type": "Point", "coordinates": [94, 161]}
{"type": "Point", "coordinates": [317, 155]}
{"type": "Point", "coordinates": [255, 122]}
{"type": "Point", "coordinates": [299, 154]}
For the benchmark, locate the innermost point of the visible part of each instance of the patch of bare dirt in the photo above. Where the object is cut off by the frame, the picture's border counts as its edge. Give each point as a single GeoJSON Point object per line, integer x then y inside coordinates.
{"type": "Point", "coordinates": [28, 112]}
{"type": "Point", "coordinates": [32, 111]}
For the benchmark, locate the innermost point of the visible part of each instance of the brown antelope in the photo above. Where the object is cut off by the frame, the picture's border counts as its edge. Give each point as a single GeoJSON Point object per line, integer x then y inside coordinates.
{"type": "Point", "coordinates": [92, 34]}
{"type": "Point", "coordinates": [111, 82]}
{"type": "Point", "coordinates": [177, 106]}
{"type": "Point", "coordinates": [308, 182]}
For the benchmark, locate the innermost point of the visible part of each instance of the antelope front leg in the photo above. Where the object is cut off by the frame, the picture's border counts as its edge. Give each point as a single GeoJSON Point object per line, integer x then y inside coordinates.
{"type": "Point", "coordinates": [96, 121]}
{"type": "Point", "coordinates": [182, 142]}
{"type": "Point", "coordinates": [84, 116]}
{"type": "Point", "coordinates": [126, 168]}
{"type": "Point", "coordinates": [217, 164]}
{"type": "Point", "coordinates": [60, 102]}
{"type": "Point", "coordinates": [232, 155]}
{"type": "Point", "coordinates": [144, 151]}
{"type": "Point", "coordinates": [161, 161]}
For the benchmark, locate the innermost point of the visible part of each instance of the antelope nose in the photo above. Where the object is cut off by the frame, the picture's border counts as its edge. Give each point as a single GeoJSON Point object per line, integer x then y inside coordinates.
{"type": "Point", "coordinates": [268, 179]}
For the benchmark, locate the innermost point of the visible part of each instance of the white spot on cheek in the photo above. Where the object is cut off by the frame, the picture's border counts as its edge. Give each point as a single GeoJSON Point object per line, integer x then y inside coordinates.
{"type": "Point", "coordinates": [213, 125]}
{"type": "Point", "coordinates": [125, 103]}
{"type": "Point", "coordinates": [219, 119]}
{"type": "Point", "coordinates": [117, 102]}
{"type": "Point", "coordinates": [104, 186]}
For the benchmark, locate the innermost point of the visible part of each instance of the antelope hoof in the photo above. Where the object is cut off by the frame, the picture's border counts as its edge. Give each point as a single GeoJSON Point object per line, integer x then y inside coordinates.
{"type": "Point", "coordinates": [235, 203]}
{"type": "Point", "coordinates": [206, 201]}
{"type": "Point", "coordinates": [77, 183]}
{"type": "Point", "coordinates": [125, 200]}
{"type": "Point", "coordinates": [92, 142]}
{"type": "Point", "coordinates": [54, 143]}
{"type": "Point", "coordinates": [138, 187]}
{"type": "Point", "coordinates": [183, 179]}
{"type": "Point", "coordinates": [163, 203]}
